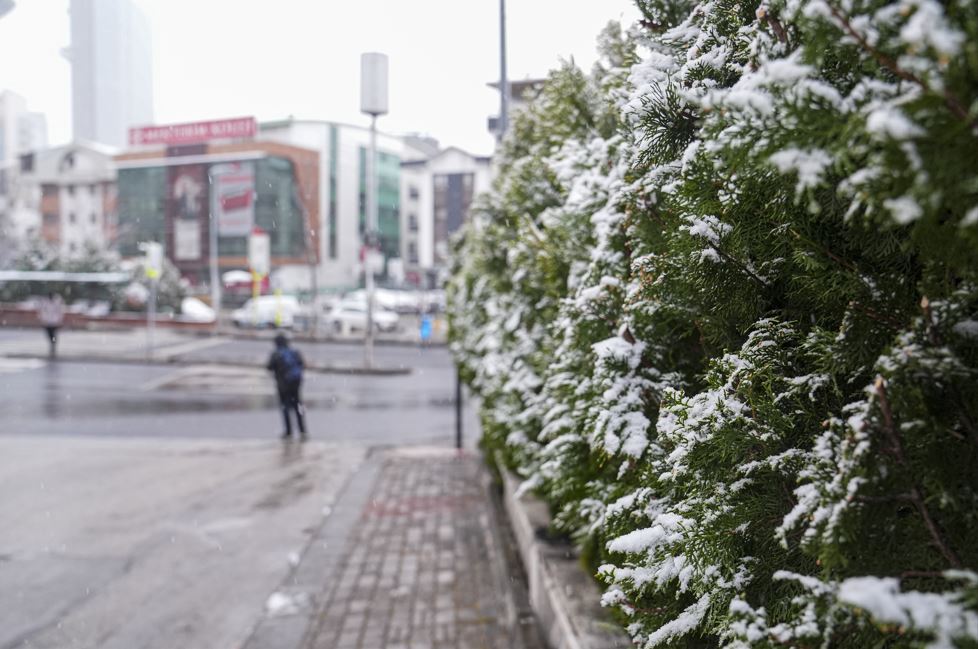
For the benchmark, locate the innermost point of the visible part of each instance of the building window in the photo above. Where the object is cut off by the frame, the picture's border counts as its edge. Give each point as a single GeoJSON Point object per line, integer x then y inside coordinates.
{"type": "Point", "coordinates": [71, 217]}
{"type": "Point", "coordinates": [413, 192]}
{"type": "Point", "coordinates": [413, 222]}
{"type": "Point", "coordinates": [412, 252]}
{"type": "Point", "coordinates": [71, 190]}
{"type": "Point", "coordinates": [93, 218]}
{"type": "Point", "coordinates": [72, 247]}
{"type": "Point", "coordinates": [91, 189]}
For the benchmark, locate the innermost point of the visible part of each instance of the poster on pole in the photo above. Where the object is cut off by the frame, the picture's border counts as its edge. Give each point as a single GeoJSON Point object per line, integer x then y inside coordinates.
{"type": "Point", "coordinates": [153, 262]}
{"type": "Point", "coordinates": [234, 198]}
{"type": "Point", "coordinates": [186, 240]}
{"type": "Point", "coordinates": [186, 211]}
{"type": "Point", "coordinates": [259, 252]}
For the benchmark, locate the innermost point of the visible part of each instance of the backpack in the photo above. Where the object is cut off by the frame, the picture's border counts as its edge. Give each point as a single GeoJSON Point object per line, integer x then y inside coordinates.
{"type": "Point", "coordinates": [290, 365]}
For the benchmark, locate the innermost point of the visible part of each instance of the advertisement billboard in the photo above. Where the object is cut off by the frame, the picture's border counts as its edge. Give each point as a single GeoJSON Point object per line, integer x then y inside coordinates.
{"type": "Point", "coordinates": [186, 240]}
{"type": "Point", "coordinates": [259, 252]}
{"type": "Point", "coordinates": [233, 199]}
{"type": "Point", "coordinates": [186, 211]}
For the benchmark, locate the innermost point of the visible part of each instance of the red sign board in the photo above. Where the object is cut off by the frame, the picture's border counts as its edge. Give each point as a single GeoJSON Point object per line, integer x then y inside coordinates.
{"type": "Point", "coordinates": [191, 132]}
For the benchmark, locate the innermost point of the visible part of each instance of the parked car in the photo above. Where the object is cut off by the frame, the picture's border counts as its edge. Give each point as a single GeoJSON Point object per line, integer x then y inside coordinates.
{"type": "Point", "coordinates": [351, 315]}
{"type": "Point", "coordinates": [268, 311]}
{"type": "Point", "coordinates": [194, 310]}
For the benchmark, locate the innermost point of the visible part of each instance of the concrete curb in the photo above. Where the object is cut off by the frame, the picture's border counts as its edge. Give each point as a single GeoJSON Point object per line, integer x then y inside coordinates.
{"type": "Point", "coordinates": [135, 360]}
{"type": "Point", "coordinates": [565, 599]}
{"type": "Point", "coordinates": [509, 573]}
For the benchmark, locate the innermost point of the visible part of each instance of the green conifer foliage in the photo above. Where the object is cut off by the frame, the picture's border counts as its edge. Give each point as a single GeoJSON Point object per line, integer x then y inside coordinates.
{"type": "Point", "coordinates": [722, 308]}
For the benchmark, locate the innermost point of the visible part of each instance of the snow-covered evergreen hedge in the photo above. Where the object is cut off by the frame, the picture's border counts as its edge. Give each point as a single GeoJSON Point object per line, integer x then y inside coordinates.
{"type": "Point", "coordinates": [721, 307]}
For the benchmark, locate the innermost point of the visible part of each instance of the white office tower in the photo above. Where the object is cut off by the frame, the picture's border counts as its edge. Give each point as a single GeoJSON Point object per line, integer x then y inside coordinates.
{"type": "Point", "coordinates": [21, 131]}
{"type": "Point", "coordinates": [111, 70]}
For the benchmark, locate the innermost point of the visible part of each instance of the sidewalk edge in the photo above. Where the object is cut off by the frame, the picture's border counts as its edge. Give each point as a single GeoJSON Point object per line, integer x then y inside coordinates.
{"type": "Point", "coordinates": [319, 561]}
{"type": "Point", "coordinates": [563, 596]}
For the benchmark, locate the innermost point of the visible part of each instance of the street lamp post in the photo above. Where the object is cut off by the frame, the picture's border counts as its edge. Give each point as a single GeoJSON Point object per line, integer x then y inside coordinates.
{"type": "Point", "coordinates": [373, 102]}
{"type": "Point", "coordinates": [212, 239]}
{"type": "Point", "coordinates": [503, 80]}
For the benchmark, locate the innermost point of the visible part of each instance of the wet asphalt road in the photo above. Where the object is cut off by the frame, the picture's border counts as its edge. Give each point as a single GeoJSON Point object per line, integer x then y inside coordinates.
{"type": "Point", "coordinates": [154, 506]}
{"type": "Point", "coordinates": [132, 400]}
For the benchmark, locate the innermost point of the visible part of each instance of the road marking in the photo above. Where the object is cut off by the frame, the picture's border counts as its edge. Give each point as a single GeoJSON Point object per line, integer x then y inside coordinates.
{"type": "Point", "coordinates": [217, 379]}
{"type": "Point", "coordinates": [171, 351]}
{"type": "Point", "coordinates": [11, 365]}
{"type": "Point", "coordinates": [168, 378]}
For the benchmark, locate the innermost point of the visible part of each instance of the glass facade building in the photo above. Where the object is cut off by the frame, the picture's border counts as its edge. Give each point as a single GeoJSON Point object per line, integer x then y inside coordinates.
{"type": "Point", "coordinates": [388, 200]}
{"type": "Point", "coordinates": [152, 207]}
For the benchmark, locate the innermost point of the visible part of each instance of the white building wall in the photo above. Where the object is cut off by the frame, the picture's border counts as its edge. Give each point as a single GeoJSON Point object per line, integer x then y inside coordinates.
{"type": "Point", "coordinates": [418, 177]}
{"type": "Point", "coordinates": [449, 161]}
{"type": "Point", "coordinates": [343, 270]}
{"type": "Point", "coordinates": [24, 210]}
{"type": "Point", "coordinates": [21, 131]}
{"type": "Point", "coordinates": [456, 161]}
{"type": "Point", "coordinates": [33, 132]}
{"type": "Point", "coordinates": [81, 193]}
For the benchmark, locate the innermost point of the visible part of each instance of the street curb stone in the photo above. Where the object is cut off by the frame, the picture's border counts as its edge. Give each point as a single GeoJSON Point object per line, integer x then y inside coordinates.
{"type": "Point", "coordinates": [565, 599]}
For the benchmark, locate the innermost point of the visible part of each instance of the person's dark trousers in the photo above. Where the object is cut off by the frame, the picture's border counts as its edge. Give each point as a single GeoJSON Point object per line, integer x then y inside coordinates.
{"type": "Point", "coordinates": [52, 339]}
{"type": "Point", "coordinates": [289, 398]}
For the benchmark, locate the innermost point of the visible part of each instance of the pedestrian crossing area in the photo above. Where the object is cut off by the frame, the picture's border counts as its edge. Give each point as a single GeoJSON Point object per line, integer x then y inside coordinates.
{"type": "Point", "coordinates": [14, 365]}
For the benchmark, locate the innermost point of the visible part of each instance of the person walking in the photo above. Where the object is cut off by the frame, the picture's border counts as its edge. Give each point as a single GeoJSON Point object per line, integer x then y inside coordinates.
{"type": "Point", "coordinates": [287, 364]}
{"type": "Point", "coordinates": [425, 329]}
{"type": "Point", "coordinates": [51, 313]}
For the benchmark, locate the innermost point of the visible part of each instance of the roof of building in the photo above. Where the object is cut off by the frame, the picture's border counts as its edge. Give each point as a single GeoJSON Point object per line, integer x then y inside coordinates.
{"type": "Point", "coordinates": [478, 158]}
{"type": "Point", "coordinates": [288, 121]}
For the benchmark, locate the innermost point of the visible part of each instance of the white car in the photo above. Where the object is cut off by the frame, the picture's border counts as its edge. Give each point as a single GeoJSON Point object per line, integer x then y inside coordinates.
{"type": "Point", "coordinates": [194, 310]}
{"type": "Point", "coordinates": [267, 311]}
{"type": "Point", "coordinates": [351, 315]}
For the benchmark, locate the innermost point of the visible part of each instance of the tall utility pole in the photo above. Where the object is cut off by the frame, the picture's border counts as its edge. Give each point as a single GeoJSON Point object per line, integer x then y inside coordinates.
{"type": "Point", "coordinates": [373, 102]}
{"type": "Point", "coordinates": [503, 80]}
{"type": "Point", "coordinates": [212, 238]}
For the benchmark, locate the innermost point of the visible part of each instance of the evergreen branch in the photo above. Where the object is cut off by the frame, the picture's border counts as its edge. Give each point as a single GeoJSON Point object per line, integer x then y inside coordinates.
{"type": "Point", "coordinates": [773, 23]}
{"type": "Point", "coordinates": [950, 100]}
{"type": "Point", "coordinates": [658, 610]}
{"type": "Point", "coordinates": [916, 496]}
{"type": "Point", "coordinates": [848, 265]}
{"type": "Point", "coordinates": [921, 574]}
{"type": "Point", "coordinates": [627, 335]}
{"type": "Point", "coordinates": [932, 333]}
{"type": "Point", "coordinates": [740, 265]}
{"type": "Point", "coordinates": [873, 314]}
{"type": "Point", "coordinates": [883, 499]}
{"type": "Point", "coordinates": [652, 26]}
{"type": "Point", "coordinates": [936, 339]}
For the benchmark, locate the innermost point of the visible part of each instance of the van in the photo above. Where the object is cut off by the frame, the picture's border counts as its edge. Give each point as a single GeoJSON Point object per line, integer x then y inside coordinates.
{"type": "Point", "coordinates": [267, 311]}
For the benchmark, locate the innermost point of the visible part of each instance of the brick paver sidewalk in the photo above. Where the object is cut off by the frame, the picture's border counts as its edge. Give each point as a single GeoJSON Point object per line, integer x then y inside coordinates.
{"type": "Point", "coordinates": [422, 566]}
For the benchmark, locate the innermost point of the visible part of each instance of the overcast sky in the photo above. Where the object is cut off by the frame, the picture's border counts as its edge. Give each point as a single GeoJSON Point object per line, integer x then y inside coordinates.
{"type": "Point", "coordinates": [226, 58]}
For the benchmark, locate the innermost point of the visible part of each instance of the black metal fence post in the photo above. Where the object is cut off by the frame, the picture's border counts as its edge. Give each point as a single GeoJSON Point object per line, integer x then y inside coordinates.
{"type": "Point", "coordinates": [458, 408]}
